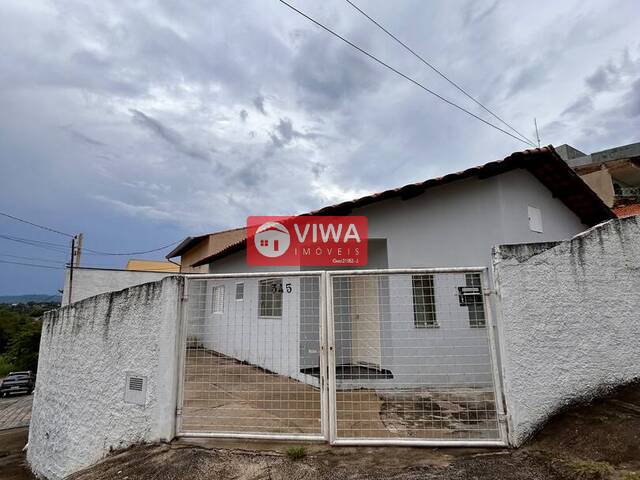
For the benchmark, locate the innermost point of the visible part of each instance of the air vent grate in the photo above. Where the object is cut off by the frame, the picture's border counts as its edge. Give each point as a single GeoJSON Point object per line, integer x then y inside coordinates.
{"type": "Point", "coordinates": [136, 383]}
{"type": "Point", "coordinates": [135, 389]}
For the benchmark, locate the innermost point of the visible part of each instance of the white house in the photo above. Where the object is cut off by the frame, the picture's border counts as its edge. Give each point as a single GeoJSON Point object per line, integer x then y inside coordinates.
{"type": "Point", "coordinates": [451, 221]}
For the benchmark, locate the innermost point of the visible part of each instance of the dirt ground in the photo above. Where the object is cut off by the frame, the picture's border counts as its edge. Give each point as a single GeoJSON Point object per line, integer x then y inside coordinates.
{"type": "Point", "coordinates": [596, 441]}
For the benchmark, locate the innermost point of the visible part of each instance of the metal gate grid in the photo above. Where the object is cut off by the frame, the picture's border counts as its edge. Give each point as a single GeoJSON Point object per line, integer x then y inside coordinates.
{"type": "Point", "coordinates": [251, 356]}
{"type": "Point", "coordinates": [352, 357]}
{"type": "Point", "coordinates": [412, 358]}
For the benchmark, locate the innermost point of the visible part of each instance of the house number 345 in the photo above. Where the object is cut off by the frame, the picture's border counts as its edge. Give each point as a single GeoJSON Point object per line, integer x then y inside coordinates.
{"type": "Point", "coordinates": [277, 288]}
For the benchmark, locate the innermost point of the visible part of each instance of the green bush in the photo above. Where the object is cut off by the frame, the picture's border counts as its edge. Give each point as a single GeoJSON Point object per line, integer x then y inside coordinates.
{"type": "Point", "coordinates": [5, 367]}
{"type": "Point", "coordinates": [296, 452]}
{"type": "Point", "coordinates": [19, 337]}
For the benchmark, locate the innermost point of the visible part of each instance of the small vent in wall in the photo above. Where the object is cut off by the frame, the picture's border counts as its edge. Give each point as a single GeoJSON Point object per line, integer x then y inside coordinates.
{"type": "Point", "coordinates": [136, 383]}
{"type": "Point", "coordinates": [135, 389]}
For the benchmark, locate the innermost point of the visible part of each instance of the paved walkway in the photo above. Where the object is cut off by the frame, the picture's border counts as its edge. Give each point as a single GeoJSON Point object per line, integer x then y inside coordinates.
{"type": "Point", "coordinates": [15, 411]}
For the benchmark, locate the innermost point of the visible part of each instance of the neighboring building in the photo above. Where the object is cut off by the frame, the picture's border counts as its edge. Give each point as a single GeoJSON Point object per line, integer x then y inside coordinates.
{"type": "Point", "coordinates": [193, 249]}
{"type": "Point", "coordinates": [152, 266]}
{"type": "Point", "coordinates": [614, 174]}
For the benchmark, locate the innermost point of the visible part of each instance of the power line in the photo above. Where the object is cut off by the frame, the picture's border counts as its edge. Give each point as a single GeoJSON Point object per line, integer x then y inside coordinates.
{"type": "Point", "coordinates": [57, 247]}
{"type": "Point", "coordinates": [33, 258]}
{"type": "Point", "coordinates": [432, 67]}
{"type": "Point", "coordinates": [36, 225]}
{"type": "Point", "coordinates": [397, 72]}
{"type": "Point", "coordinates": [54, 247]}
{"type": "Point", "coordinates": [97, 252]}
{"type": "Point", "coordinates": [32, 265]}
{"type": "Point", "coordinates": [29, 240]}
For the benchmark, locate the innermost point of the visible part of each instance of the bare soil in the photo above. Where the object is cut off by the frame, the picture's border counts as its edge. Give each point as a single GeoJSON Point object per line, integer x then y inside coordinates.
{"type": "Point", "coordinates": [596, 441]}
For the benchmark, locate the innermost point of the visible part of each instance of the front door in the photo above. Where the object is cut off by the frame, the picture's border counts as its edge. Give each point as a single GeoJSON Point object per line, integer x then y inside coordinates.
{"type": "Point", "coordinates": [365, 320]}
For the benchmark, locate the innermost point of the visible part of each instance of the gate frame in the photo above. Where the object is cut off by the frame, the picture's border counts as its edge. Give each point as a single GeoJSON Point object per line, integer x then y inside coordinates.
{"type": "Point", "coordinates": [491, 340]}
{"type": "Point", "coordinates": [327, 380]}
{"type": "Point", "coordinates": [323, 390]}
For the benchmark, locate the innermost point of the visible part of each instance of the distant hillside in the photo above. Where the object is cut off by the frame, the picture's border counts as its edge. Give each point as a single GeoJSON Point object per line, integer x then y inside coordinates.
{"type": "Point", "coordinates": [35, 298]}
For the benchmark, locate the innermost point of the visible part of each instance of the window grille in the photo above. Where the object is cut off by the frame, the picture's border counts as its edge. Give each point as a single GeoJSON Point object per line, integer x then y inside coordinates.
{"type": "Point", "coordinates": [217, 299]}
{"type": "Point", "coordinates": [424, 304]}
{"type": "Point", "coordinates": [239, 291]}
{"type": "Point", "coordinates": [270, 297]}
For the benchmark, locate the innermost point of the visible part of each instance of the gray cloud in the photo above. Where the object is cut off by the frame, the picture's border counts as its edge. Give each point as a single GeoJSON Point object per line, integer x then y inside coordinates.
{"type": "Point", "coordinates": [169, 135]}
{"type": "Point", "coordinates": [81, 137]}
{"type": "Point", "coordinates": [328, 74]}
{"type": "Point", "coordinates": [321, 124]}
{"type": "Point", "coordinates": [581, 106]}
{"type": "Point", "coordinates": [258, 102]}
{"type": "Point", "coordinates": [474, 12]}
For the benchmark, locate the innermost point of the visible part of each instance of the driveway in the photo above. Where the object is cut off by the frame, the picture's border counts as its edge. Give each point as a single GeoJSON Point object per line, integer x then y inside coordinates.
{"type": "Point", "coordinates": [15, 411]}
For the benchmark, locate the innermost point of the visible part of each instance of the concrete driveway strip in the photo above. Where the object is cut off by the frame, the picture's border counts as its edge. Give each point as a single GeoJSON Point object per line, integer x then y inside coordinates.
{"type": "Point", "coordinates": [15, 411]}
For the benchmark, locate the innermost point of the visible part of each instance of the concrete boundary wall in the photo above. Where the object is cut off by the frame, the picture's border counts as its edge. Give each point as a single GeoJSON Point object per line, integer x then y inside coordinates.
{"type": "Point", "coordinates": [89, 282]}
{"type": "Point", "coordinates": [569, 320]}
{"type": "Point", "coordinates": [79, 409]}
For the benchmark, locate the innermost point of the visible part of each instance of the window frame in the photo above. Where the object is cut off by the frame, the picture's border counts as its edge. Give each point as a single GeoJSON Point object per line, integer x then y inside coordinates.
{"type": "Point", "coordinates": [214, 298]}
{"type": "Point", "coordinates": [241, 299]}
{"type": "Point", "coordinates": [429, 311]}
{"type": "Point", "coordinates": [475, 280]}
{"type": "Point", "coordinates": [274, 296]}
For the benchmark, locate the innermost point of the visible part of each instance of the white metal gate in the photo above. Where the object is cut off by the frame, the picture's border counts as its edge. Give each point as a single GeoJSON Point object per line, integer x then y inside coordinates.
{"type": "Point", "coordinates": [351, 357]}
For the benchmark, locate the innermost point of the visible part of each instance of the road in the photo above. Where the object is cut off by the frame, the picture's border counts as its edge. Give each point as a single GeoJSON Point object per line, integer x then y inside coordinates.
{"type": "Point", "coordinates": [15, 411]}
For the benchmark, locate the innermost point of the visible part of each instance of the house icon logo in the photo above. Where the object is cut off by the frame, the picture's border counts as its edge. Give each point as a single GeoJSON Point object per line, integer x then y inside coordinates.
{"type": "Point", "coordinates": [272, 239]}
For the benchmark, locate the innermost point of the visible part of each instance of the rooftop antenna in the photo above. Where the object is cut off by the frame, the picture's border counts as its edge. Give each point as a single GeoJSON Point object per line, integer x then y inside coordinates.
{"type": "Point", "coordinates": [535, 122]}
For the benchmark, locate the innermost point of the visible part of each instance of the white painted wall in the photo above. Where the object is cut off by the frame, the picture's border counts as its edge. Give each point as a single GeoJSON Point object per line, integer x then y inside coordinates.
{"type": "Point", "coordinates": [88, 282]}
{"type": "Point", "coordinates": [79, 412]}
{"type": "Point", "coordinates": [239, 332]}
{"type": "Point", "coordinates": [570, 320]}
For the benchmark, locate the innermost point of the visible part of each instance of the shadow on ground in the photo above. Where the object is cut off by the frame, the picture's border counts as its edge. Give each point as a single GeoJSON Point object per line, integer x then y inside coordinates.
{"type": "Point", "coordinates": [596, 441]}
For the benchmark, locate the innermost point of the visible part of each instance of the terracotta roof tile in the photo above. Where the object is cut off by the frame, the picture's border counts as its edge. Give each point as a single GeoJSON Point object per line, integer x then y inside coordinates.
{"type": "Point", "coordinates": [627, 210]}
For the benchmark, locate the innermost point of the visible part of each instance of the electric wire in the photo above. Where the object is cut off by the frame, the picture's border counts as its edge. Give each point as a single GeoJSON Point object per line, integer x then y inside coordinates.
{"type": "Point", "coordinates": [399, 73]}
{"type": "Point", "coordinates": [97, 252]}
{"type": "Point", "coordinates": [32, 265]}
{"type": "Point", "coordinates": [36, 225]}
{"type": "Point", "coordinates": [46, 260]}
{"type": "Point", "coordinates": [57, 246]}
{"type": "Point", "coordinates": [435, 69]}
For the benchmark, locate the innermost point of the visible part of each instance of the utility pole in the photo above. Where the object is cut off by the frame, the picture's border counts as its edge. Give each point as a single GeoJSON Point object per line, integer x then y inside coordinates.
{"type": "Point", "coordinates": [76, 250]}
{"type": "Point", "coordinates": [535, 122]}
{"type": "Point", "coordinates": [79, 238]}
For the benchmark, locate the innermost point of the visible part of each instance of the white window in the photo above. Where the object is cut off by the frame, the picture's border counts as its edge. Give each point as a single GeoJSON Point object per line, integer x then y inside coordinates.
{"type": "Point", "coordinates": [535, 219]}
{"type": "Point", "coordinates": [239, 291]}
{"type": "Point", "coordinates": [217, 299]}
{"type": "Point", "coordinates": [270, 297]}
{"type": "Point", "coordinates": [424, 302]}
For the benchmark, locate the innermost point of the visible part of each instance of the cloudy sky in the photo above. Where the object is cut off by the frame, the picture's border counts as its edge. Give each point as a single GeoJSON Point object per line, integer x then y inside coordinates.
{"type": "Point", "coordinates": [139, 123]}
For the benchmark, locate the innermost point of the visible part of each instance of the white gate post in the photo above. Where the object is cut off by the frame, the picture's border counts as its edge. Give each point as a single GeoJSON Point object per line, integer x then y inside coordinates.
{"type": "Point", "coordinates": [495, 366]}
{"type": "Point", "coordinates": [331, 412]}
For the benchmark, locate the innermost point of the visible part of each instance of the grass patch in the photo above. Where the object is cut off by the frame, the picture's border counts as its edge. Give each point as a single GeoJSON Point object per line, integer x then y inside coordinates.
{"type": "Point", "coordinates": [589, 470]}
{"type": "Point", "coordinates": [630, 476]}
{"type": "Point", "coordinates": [297, 452]}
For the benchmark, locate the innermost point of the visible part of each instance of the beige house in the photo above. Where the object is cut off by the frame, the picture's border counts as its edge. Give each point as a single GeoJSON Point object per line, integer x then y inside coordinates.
{"type": "Point", "coordinates": [193, 249]}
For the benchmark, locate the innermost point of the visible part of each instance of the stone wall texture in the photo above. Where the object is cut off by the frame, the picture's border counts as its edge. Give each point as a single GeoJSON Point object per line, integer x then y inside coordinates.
{"type": "Point", "coordinates": [79, 413]}
{"type": "Point", "coordinates": [569, 320]}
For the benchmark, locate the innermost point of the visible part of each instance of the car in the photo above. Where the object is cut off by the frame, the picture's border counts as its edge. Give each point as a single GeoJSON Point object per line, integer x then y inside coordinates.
{"type": "Point", "coordinates": [17, 382]}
